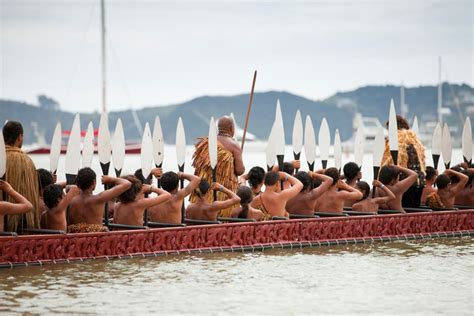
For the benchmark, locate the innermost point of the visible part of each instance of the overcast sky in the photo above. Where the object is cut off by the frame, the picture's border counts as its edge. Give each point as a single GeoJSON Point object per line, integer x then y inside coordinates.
{"type": "Point", "coordinates": [168, 52]}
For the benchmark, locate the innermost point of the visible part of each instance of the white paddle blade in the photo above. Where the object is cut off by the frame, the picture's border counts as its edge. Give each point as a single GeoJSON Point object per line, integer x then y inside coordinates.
{"type": "Point", "coordinates": [235, 125]}
{"type": "Point", "coordinates": [467, 140]}
{"type": "Point", "coordinates": [212, 143]}
{"type": "Point", "coordinates": [359, 146]}
{"type": "Point", "coordinates": [337, 150]}
{"type": "Point", "coordinates": [270, 151]}
{"type": "Point", "coordinates": [297, 133]}
{"type": "Point", "coordinates": [446, 146]}
{"type": "Point", "coordinates": [392, 128]}
{"type": "Point", "coordinates": [103, 140]}
{"type": "Point", "coordinates": [118, 146]}
{"type": "Point", "coordinates": [3, 156]}
{"type": "Point", "coordinates": [309, 141]}
{"type": "Point", "coordinates": [88, 146]}
{"type": "Point", "coordinates": [158, 142]}
{"type": "Point", "coordinates": [146, 152]}
{"type": "Point", "coordinates": [436, 140]}
{"type": "Point", "coordinates": [73, 152]}
{"type": "Point", "coordinates": [324, 138]}
{"type": "Point", "coordinates": [279, 131]}
{"type": "Point", "coordinates": [379, 148]}
{"type": "Point", "coordinates": [180, 143]}
{"type": "Point", "coordinates": [414, 126]}
{"type": "Point", "coordinates": [55, 150]}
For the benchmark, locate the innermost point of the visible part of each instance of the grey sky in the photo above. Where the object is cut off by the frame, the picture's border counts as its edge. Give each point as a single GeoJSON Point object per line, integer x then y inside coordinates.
{"type": "Point", "coordinates": [169, 52]}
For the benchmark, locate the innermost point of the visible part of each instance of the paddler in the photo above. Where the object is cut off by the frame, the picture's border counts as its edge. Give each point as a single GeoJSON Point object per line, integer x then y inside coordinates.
{"type": "Point", "coordinates": [22, 176]}
{"type": "Point", "coordinates": [20, 206]}
{"type": "Point", "coordinates": [411, 155]}
{"type": "Point", "coordinates": [86, 211]}
{"type": "Point", "coordinates": [229, 166]}
{"type": "Point", "coordinates": [449, 184]}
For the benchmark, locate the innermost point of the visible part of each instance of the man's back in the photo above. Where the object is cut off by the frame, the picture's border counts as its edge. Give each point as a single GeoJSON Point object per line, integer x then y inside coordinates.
{"type": "Point", "coordinates": [86, 209]}
{"type": "Point", "coordinates": [128, 214]}
{"type": "Point", "coordinates": [331, 201]}
{"type": "Point", "coordinates": [465, 197]}
{"type": "Point", "coordinates": [167, 212]}
{"type": "Point", "coordinates": [201, 211]}
{"type": "Point", "coordinates": [302, 204]}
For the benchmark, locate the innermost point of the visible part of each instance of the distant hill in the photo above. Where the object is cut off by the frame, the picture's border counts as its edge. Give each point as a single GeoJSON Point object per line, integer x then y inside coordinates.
{"type": "Point", "coordinates": [339, 110]}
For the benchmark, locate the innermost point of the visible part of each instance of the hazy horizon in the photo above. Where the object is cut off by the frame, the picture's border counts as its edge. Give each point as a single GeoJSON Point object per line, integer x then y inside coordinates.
{"type": "Point", "coordinates": [162, 53]}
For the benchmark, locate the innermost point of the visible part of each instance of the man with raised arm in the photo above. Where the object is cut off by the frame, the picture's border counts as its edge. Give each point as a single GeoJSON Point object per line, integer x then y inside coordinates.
{"type": "Point", "coordinates": [132, 204]}
{"type": "Point", "coordinates": [466, 196]}
{"type": "Point", "coordinates": [272, 202]}
{"type": "Point", "coordinates": [305, 201]}
{"type": "Point", "coordinates": [430, 179]}
{"type": "Point", "coordinates": [368, 204]}
{"type": "Point", "coordinates": [229, 165]}
{"type": "Point", "coordinates": [56, 206]}
{"type": "Point", "coordinates": [21, 174]}
{"type": "Point", "coordinates": [86, 211]}
{"type": "Point", "coordinates": [204, 210]}
{"type": "Point", "coordinates": [20, 205]}
{"type": "Point", "coordinates": [389, 175]}
{"type": "Point", "coordinates": [255, 179]}
{"type": "Point", "coordinates": [170, 211]}
{"type": "Point", "coordinates": [332, 201]}
{"type": "Point", "coordinates": [447, 190]}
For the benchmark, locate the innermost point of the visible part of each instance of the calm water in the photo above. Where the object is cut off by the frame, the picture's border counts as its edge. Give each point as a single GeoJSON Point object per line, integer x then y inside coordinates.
{"type": "Point", "coordinates": [423, 277]}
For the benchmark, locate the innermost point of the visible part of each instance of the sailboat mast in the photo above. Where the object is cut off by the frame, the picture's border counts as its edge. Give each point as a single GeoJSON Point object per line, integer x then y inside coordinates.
{"type": "Point", "coordinates": [440, 92]}
{"type": "Point", "coordinates": [104, 64]}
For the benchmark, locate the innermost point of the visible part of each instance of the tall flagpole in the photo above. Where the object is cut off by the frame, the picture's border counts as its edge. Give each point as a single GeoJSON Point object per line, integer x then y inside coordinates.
{"type": "Point", "coordinates": [104, 69]}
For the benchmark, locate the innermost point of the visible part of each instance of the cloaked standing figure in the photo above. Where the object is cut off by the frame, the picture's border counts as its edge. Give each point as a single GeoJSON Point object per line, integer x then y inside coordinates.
{"type": "Point", "coordinates": [229, 163]}
{"type": "Point", "coordinates": [411, 155]}
{"type": "Point", "coordinates": [22, 176]}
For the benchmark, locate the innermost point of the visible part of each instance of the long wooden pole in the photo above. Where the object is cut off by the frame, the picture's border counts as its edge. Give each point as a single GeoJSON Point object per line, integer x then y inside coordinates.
{"type": "Point", "coordinates": [248, 110]}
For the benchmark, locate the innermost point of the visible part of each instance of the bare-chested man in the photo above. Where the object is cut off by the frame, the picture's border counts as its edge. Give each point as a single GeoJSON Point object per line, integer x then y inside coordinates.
{"type": "Point", "coordinates": [273, 200]}
{"type": "Point", "coordinates": [389, 175]}
{"type": "Point", "coordinates": [305, 201]}
{"type": "Point", "coordinates": [430, 179]}
{"type": "Point", "coordinates": [245, 210]}
{"type": "Point", "coordinates": [132, 204]}
{"type": "Point", "coordinates": [56, 206]}
{"type": "Point", "coordinates": [86, 210]}
{"type": "Point", "coordinates": [368, 204]}
{"type": "Point", "coordinates": [288, 167]}
{"type": "Point", "coordinates": [332, 201]}
{"type": "Point", "coordinates": [447, 191]}
{"type": "Point", "coordinates": [45, 178]}
{"type": "Point", "coordinates": [205, 210]}
{"type": "Point", "coordinates": [21, 205]}
{"type": "Point", "coordinates": [170, 211]}
{"type": "Point", "coordinates": [466, 196]}
{"type": "Point", "coordinates": [255, 179]}
{"type": "Point", "coordinates": [352, 173]}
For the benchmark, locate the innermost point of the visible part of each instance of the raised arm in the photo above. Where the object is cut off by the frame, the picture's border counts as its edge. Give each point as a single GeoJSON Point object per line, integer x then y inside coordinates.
{"type": "Point", "coordinates": [296, 186]}
{"type": "Point", "coordinates": [462, 180]}
{"type": "Point", "coordinates": [21, 206]}
{"type": "Point", "coordinates": [388, 194]}
{"type": "Point", "coordinates": [348, 192]}
{"type": "Point", "coordinates": [162, 197]}
{"type": "Point", "coordinates": [121, 185]}
{"type": "Point", "coordinates": [325, 185]}
{"type": "Point", "coordinates": [64, 203]}
{"type": "Point", "coordinates": [232, 198]}
{"type": "Point", "coordinates": [239, 167]}
{"type": "Point", "coordinates": [192, 185]}
{"type": "Point", "coordinates": [243, 179]}
{"type": "Point", "coordinates": [406, 183]}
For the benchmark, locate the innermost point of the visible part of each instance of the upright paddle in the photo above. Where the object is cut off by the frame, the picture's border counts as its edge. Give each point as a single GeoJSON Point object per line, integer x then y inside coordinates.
{"type": "Point", "coordinates": [324, 139]}
{"type": "Point", "coordinates": [379, 147]}
{"type": "Point", "coordinates": [393, 133]}
{"type": "Point", "coordinates": [88, 146]}
{"type": "Point", "coordinates": [297, 137]}
{"type": "Point", "coordinates": [279, 137]}
{"type": "Point", "coordinates": [309, 143]}
{"type": "Point", "coordinates": [337, 150]}
{"type": "Point", "coordinates": [234, 123]}
{"type": "Point", "coordinates": [105, 152]}
{"type": "Point", "coordinates": [270, 152]}
{"type": "Point", "coordinates": [212, 147]}
{"type": "Point", "coordinates": [73, 152]}
{"type": "Point", "coordinates": [249, 107]}
{"type": "Point", "coordinates": [414, 126]}
{"type": "Point", "coordinates": [55, 150]}
{"type": "Point", "coordinates": [158, 145]}
{"type": "Point", "coordinates": [146, 160]}
{"type": "Point", "coordinates": [3, 158]}
{"type": "Point", "coordinates": [436, 142]}
{"type": "Point", "coordinates": [181, 155]}
{"type": "Point", "coordinates": [467, 141]}
{"type": "Point", "coordinates": [359, 145]}
{"type": "Point", "coordinates": [446, 147]}
{"type": "Point", "coordinates": [118, 148]}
